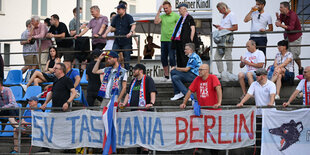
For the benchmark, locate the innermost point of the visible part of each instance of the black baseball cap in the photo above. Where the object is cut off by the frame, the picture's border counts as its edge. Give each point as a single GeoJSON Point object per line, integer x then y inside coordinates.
{"type": "Point", "coordinates": [141, 67]}
{"type": "Point", "coordinates": [182, 5]}
{"type": "Point", "coordinates": [121, 6]}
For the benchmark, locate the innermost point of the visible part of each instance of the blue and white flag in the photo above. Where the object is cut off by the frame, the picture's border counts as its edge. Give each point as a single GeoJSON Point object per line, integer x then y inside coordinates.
{"type": "Point", "coordinates": [286, 132]}
{"type": "Point", "coordinates": [109, 142]}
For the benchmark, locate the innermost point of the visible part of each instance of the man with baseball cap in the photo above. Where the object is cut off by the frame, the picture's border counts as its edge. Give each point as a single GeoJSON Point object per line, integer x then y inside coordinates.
{"type": "Point", "coordinates": [264, 90]}
{"type": "Point", "coordinates": [114, 78]}
{"type": "Point", "coordinates": [123, 24]}
{"type": "Point", "coordinates": [142, 92]}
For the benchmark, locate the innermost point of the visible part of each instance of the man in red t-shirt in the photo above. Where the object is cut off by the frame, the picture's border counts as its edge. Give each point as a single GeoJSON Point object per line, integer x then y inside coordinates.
{"type": "Point", "coordinates": [207, 87]}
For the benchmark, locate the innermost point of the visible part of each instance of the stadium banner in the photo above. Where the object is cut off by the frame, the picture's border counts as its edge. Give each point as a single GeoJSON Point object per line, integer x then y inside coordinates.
{"type": "Point", "coordinates": [163, 131]}
{"type": "Point", "coordinates": [286, 132]}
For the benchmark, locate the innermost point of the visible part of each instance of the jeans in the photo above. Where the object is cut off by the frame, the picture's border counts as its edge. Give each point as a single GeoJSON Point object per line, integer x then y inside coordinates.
{"type": "Point", "coordinates": [260, 41]}
{"type": "Point", "coordinates": [167, 51]}
{"type": "Point", "coordinates": [178, 78]}
{"type": "Point", "coordinates": [126, 54]}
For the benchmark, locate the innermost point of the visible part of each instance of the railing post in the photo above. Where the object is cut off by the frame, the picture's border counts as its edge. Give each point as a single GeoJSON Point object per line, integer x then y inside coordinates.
{"type": "Point", "coordinates": [138, 49]}
{"type": "Point", "coordinates": [19, 129]}
{"type": "Point", "coordinates": [40, 52]}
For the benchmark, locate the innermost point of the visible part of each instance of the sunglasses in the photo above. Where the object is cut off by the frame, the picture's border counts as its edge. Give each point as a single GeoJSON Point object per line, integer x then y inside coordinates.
{"type": "Point", "coordinates": [258, 16]}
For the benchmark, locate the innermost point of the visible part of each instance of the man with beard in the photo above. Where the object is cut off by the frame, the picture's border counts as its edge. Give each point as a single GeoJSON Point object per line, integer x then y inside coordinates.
{"type": "Point", "coordinates": [114, 78]}
{"type": "Point", "coordinates": [142, 92]}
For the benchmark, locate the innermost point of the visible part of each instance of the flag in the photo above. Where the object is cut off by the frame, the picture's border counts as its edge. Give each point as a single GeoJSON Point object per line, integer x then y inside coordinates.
{"type": "Point", "coordinates": [109, 142]}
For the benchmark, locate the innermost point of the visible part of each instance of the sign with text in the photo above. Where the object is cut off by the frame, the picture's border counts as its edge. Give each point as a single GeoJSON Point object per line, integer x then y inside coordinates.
{"type": "Point", "coordinates": [163, 131]}
{"type": "Point", "coordinates": [193, 5]}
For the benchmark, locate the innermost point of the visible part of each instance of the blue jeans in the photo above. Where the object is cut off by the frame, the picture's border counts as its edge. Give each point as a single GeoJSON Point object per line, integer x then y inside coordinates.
{"type": "Point", "coordinates": [126, 54]}
{"type": "Point", "coordinates": [165, 52]}
{"type": "Point", "coordinates": [178, 78]}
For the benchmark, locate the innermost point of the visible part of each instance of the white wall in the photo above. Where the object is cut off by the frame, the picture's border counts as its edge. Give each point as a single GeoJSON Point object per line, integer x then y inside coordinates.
{"type": "Point", "coordinates": [241, 8]}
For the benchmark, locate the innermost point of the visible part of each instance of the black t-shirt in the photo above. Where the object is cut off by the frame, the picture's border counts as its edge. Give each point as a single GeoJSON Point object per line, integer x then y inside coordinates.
{"type": "Point", "coordinates": [94, 82]}
{"type": "Point", "coordinates": [186, 29]}
{"type": "Point", "coordinates": [150, 87]}
{"type": "Point", "coordinates": [61, 91]}
{"type": "Point", "coordinates": [62, 28]}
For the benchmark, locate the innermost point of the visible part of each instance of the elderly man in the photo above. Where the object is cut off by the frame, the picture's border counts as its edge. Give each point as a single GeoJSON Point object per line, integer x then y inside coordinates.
{"type": "Point", "coordinates": [168, 22]}
{"type": "Point", "coordinates": [291, 23]}
{"type": "Point", "coordinates": [259, 21]}
{"type": "Point", "coordinates": [304, 86]}
{"type": "Point", "coordinates": [253, 59]}
{"type": "Point", "coordinates": [63, 92]}
{"type": "Point", "coordinates": [229, 22]}
{"type": "Point", "coordinates": [122, 24]}
{"type": "Point", "coordinates": [142, 90]}
{"type": "Point", "coordinates": [39, 30]}
{"type": "Point", "coordinates": [185, 74]}
{"type": "Point", "coordinates": [114, 78]}
{"type": "Point", "coordinates": [184, 32]}
{"type": "Point", "coordinates": [98, 25]}
{"type": "Point", "coordinates": [207, 87]}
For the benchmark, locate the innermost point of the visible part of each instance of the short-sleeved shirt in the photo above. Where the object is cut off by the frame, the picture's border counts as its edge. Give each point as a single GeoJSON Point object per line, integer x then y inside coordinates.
{"type": "Point", "coordinates": [95, 24]}
{"type": "Point", "coordinates": [261, 23]}
{"type": "Point", "coordinates": [28, 47]}
{"type": "Point", "coordinates": [93, 79]}
{"type": "Point", "coordinates": [281, 59]}
{"type": "Point", "coordinates": [7, 98]}
{"type": "Point", "coordinates": [122, 77]}
{"type": "Point", "coordinates": [229, 21]}
{"type": "Point", "coordinates": [167, 25]}
{"type": "Point", "coordinates": [61, 91]}
{"type": "Point", "coordinates": [205, 90]}
{"type": "Point", "coordinates": [301, 87]}
{"type": "Point", "coordinates": [72, 74]}
{"type": "Point", "coordinates": [28, 113]}
{"type": "Point", "coordinates": [262, 93]}
{"type": "Point", "coordinates": [292, 22]}
{"type": "Point", "coordinates": [255, 57]}
{"type": "Point", "coordinates": [194, 62]}
{"type": "Point", "coordinates": [149, 88]}
{"type": "Point", "coordinates": [186, 28]}
{"type": "Point", "coordinates": [62, 28]}
{"type": "Point", "coordinates": [122, 26]}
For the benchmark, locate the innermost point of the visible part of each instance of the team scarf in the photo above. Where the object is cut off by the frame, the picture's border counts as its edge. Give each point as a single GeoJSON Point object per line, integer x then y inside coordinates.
{"type": "Point", "coordinates": [306, 94]}
{"type": "Point", "coordinates": [178, 35]}
{"type": "Point", "coordinates": [142, 97]}
{"type": "Point", "coordinates": [105, 81]}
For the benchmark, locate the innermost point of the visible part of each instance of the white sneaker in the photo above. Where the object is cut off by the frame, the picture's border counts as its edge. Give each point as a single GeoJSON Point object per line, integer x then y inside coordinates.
{"type": "Point", "coordinates": [190, 99]}
{"type": "Point", "coordinates": [24, 87]}
{"type": "Point", "coordinates": [177, 96]}
{"type": "Point", "coordinates": [277, 97]}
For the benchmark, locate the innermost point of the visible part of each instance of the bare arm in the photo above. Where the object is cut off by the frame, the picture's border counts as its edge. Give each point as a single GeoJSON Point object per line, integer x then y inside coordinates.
{"type": "Point", "coordinates": [103, 26]}
{"type": "Point", "coordinates": [192, 32]}
{"type": "Point", "coordinates": [77, 81]}
{"type": "Point", "coordinates": [272, 98]}
{"type": "Point", "coordinates": [292, 97]}
{"type": "Point", "coordinates": [96, 67]}
{"type": "Point", "coordinates": [48, 99]}
{"type": "Point", "coordinates": [157, 17]}
{"type": "Point", "coordinates": [83, 32]}
{"type": "Point", "coordinates": [187, 96]}
{"type": "Point", "coordinates": [46, 66]}
{"type": "Point", "coordinates": [248, 17]}
{"type": "Point", "coordinates": [124, 84]}
{"type": "Point", "coordinates": [246, 98]}
{"type": "Point", "coordinates": [219, 96]}
{"type": "Point", "coordinates": [153, 97]}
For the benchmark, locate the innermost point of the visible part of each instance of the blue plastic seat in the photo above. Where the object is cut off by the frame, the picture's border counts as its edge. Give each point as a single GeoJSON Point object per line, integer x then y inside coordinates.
{"type": "Point", "coordinates": [83, 79]}
{"type": "Point", "coordinates": [32, 91]}
{"type": "Point", "coordinates": [17, 92]}
{"type": "Point", "coordinates": [15, 77]}
{"type": "Point", "coordinates": [8, 131]}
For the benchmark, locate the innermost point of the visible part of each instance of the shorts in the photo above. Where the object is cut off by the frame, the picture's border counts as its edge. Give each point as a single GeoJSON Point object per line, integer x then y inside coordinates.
{"type": "Point", "coordinates": [289, 76]}
{"type": "Point", "coordinates": [31, 59]}
{"type": "Point", "coordinates": [246, 78]}
{"type": "Point", "coordinates": [295, 50]}
{"type": "Point", "coordinates": [49, 77]}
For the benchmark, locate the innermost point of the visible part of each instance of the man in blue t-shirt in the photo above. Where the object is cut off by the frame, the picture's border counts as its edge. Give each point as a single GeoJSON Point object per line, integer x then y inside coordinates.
{"type": "Point", "coordinates": [185, 74]}
{"type": "Point", "coordinates": [74, 75]}
{"type": "Point", "coordinates": [25, 122]}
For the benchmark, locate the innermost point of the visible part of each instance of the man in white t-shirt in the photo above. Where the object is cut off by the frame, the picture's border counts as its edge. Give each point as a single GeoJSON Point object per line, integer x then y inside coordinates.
{"type": "Point", "coordinates": [304, 83]}
{"type": "Point", "coordinates": [229, 22]}
{"type": "Point", "coordinates": [263, 90]}
{"type": "Point", "coordinates": [259, 21]}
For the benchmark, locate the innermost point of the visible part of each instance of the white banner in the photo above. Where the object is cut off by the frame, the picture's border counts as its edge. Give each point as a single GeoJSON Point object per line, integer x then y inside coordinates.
{"type": "Point", "coordinates": [163, 131]}
{"type": "Point", "coordinates": [286, 132]}
{"type": "Point", "coordinates": [68, 130]}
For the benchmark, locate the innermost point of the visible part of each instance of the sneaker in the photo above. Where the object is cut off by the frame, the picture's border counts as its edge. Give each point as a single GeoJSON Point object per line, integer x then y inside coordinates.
{"type": "Point", "coordinates": [14, 152]}
{"type": "Point", "coordinates": [163, 79]}
{"type": "Point", "coordinates": [277, 97]}
{"type": "Point", "coordinates": [177, 96]}
{"type": "Point", "coordinates": [301, 71]}
{"type": "Point", "coordinates": [43, 150]}
{"type": "Point", "coordinates": [24, 87]}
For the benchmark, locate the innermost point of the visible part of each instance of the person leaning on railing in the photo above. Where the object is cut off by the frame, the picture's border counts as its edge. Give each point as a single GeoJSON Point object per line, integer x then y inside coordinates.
{"type": "Point", "coordinates": [304, 86]}
{"type": "Point", "coordinates": [283, 66]}
{"type": "Point", "coordinates": [48, 74]}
